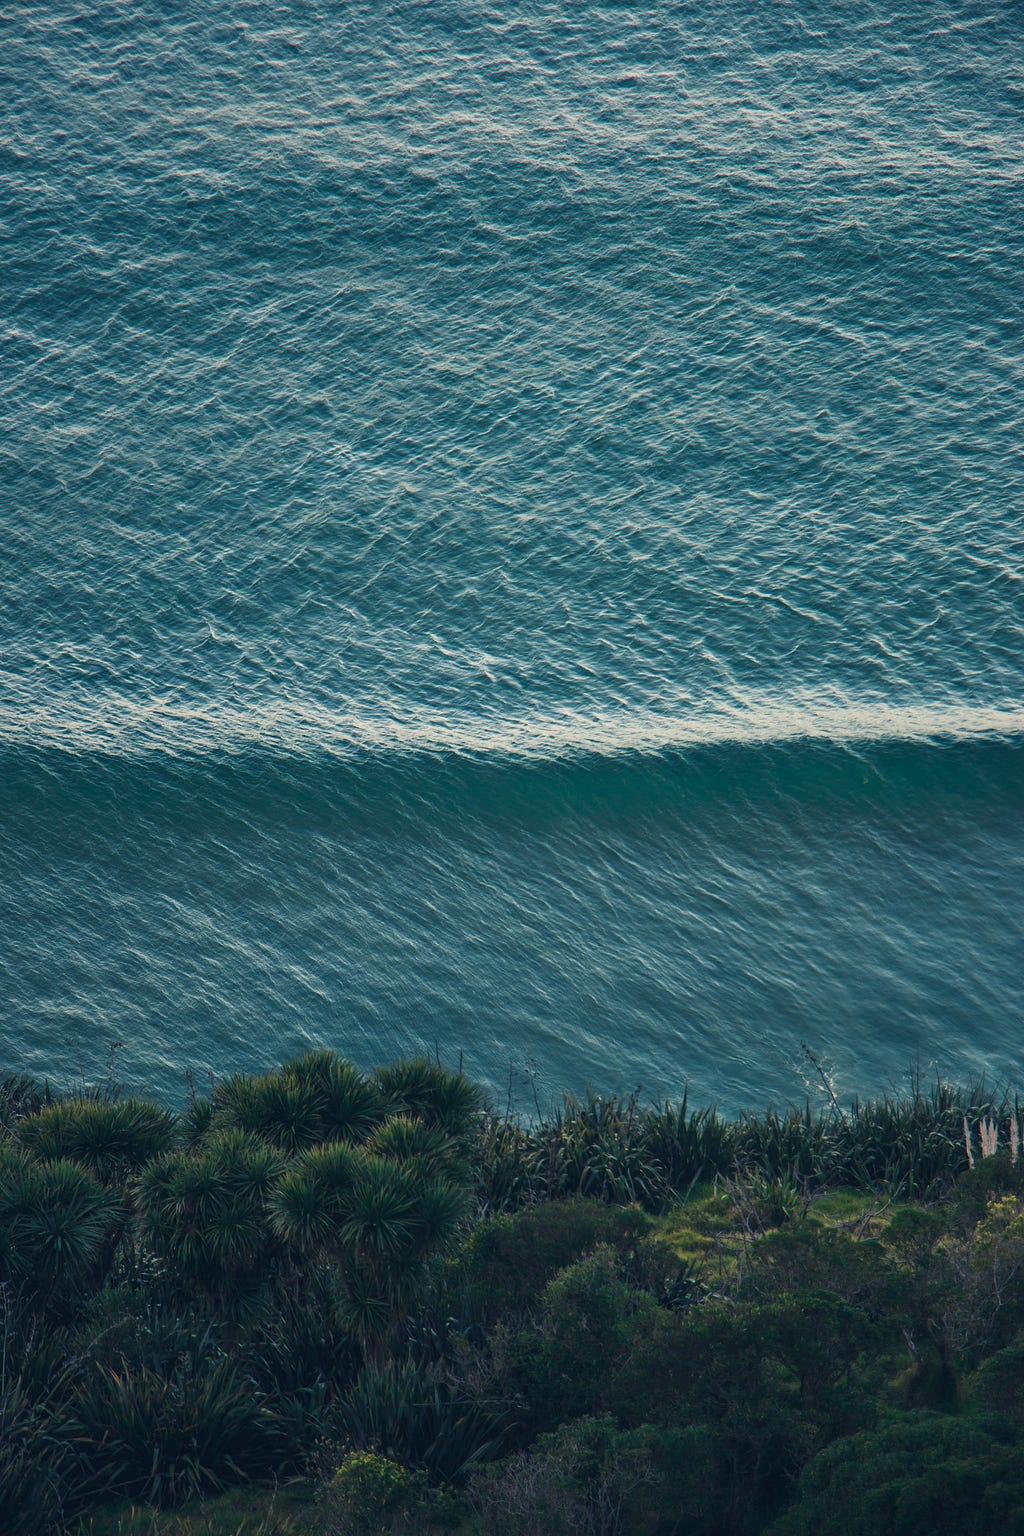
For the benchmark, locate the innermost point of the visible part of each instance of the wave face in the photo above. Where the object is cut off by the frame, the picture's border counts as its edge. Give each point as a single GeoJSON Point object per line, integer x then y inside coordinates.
{"type": "Point", "coordinates": [512, 538]}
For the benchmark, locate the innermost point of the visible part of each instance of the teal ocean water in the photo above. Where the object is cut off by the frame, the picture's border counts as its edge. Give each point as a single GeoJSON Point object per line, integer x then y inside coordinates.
{"type": "Point", "coordinates": [511, 538]}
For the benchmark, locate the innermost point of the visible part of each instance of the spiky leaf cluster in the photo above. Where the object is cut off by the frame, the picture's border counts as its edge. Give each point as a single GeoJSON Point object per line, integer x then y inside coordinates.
{"type": "Point", "coordinates": [113, 1138]}
{"type": "Point", "coordinates": [56, 1228]}
{"type": "Point", "coordinates": [315, 1099]}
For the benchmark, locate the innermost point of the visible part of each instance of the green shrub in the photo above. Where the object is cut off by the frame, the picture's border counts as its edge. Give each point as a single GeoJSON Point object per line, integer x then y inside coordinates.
{"type": "Point", "coordinates": [371, 1495]}
{"type": "Point", "coordinates": [508, 1260]}
{"type": "Point", "coordinates": [445, 1100]}
{"type": "Point", "coordinates": [600, 1149]}
{"type": "Point", "coordinates": [38, 1373]}
{"type": "Point", "coordinates": [997, 1386]}
{"type": "Point", "coordinates": [922, 1474]}
{"type": "Point", "coordinates": [112, 1138]}
{"type": "Point", "coordinates": [412, 1415]}
{"type": "Point", "coordinates": [315, 1099]}
{"type": "Point", "coordinates": [238, 1512]}
{"type": "Point", "coordinates": [587, 1479]}
{"type": "Point", "coordinates": [169, 1438]}
{"type": "Point", "coordinates": [572, 1356]}
{"type": "Point", "coordinates": [20, 1095]}
{"type": "Point", "coordinates": [205, 1213]}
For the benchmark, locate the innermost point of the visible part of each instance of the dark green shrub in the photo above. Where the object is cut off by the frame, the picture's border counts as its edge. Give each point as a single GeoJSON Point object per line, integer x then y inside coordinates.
{"type": "Point", "coordinates": [376, 1219]}
{"type": "Point", "coordinates": [589, 1323]}
{"type": "Point", "coordinates": [169, 1438]}
{"type": "Point", "coordinates": [57, 1230]}
{"type": "Point", "coordinates": [990, 1177]}
{"type": "Point", "coordinates": [317, 1098]}
{"type": "Point", "coordinates": [302, 1359]}
{"type": "Point", "coordinates": [406, 1139]}
{"type": "Point", "coordinates": [112, 1138]}
{"type": "Point", "coordinates": [922, 1474]}
{"type": "Point", "coordinates": [507, 1261]}
{"type": "Point", "coordinates": [349, 1101]}
{"type": "Point", "coordinates": [205, 1213]}
{"type": "Point", "coordinates": [997, 1386]}
{"type": "Point", "coordinates": [586, 1479]}
{"type": "Point", "coordinates": [412, 1415]}
{"type": "Point", "coordinates": [20, 1095]}
{"type": "Point", "coordinates": [446, 1100]}
{"type": "Point", "coordinates": [504, 1165]}
{"type": "Point", "coordinates": [38, 1373]}
{"type": "Point", "coordinates": [912, 1146]}
{"type": "Point", "coordinates": [691, 1145]}
{"type": "Point", "coordinates": [716, 1370]}
{"type": "Point", "coordinates": [791, 1146]}
{"type": "Point", "coordinates": [600, 1149]}
{"type": "Point", "coordinates": [196, 1122]}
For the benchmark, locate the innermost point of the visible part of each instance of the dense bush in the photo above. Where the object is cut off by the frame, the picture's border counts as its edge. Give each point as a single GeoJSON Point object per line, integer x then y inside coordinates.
{"type": "Point", "coordinates": [920, 1475]}
{"type": "Point", "coordinates": [616, 1319]}
{"type": "Point", "coordinates": [166, 1439]}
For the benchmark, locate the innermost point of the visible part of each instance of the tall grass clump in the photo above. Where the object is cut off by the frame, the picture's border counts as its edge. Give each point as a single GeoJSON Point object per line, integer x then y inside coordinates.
{"type": "Point", "coordinates": [615, 1150]}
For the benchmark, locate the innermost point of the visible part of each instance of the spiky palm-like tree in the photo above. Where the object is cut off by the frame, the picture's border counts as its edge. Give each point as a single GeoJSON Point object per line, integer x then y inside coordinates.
{"type": "Point", "coordinates": [56, 1228]}
{"type": "Point", "coordinates": [314, 1099]}
{"type": "Point", "coordinates": [407, 1139]}
{"type": "Point", "coordinates": [310, 1201]}
{"type": "Point", "coordinates": [374, 1218]}
{"type": "Point", "coordinates": [112, 1138]}
{"type": "Point", "coordinates": [274, 1108]}
{"type": "Point", "coordinates": [205, 1212]}
{"type": "Point", "coordinates": [350, 1103]}
{"type": "Point", "coordinates": [419, 1087]}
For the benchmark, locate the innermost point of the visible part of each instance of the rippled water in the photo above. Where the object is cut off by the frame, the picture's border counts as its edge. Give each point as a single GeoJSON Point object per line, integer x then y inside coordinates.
{"type": "Point", "coordinates": [512, 537]}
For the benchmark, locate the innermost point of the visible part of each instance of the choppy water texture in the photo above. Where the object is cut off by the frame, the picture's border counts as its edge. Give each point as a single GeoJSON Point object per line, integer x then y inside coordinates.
{"type": "Point", "coordinates": [511, 536]}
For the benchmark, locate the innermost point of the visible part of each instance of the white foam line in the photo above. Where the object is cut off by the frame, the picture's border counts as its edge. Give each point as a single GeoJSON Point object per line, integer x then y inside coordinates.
{"type": "Point", "coordinates": [129, 727]}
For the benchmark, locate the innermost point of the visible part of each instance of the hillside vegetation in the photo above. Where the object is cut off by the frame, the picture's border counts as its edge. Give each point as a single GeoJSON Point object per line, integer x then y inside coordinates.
{"type": "Point", "coordinates": [320, 1300]}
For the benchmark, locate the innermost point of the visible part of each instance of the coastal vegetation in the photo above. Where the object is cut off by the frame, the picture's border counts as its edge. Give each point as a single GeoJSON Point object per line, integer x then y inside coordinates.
{"type": "Point", "coordinates": [341, 1303]}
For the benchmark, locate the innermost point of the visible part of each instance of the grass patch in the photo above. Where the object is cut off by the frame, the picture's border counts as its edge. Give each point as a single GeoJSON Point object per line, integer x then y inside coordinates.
{"type": "Point", "coordinates": [239, 1512]}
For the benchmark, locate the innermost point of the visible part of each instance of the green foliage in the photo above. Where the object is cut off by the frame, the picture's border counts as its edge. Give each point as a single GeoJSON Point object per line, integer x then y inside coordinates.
{"type": "Point", "coordinates": [238, 1512]}
{"type": "Point", "coordinates": [317, 1098]}
{"type": "Point", "coordinates": [589, 1321]}
{"type": "Point", "coordinates": [406, 1139]}
{"type": "Point", "coordinates": [997, 1386]}
{"type": "Point", "coordinates": [913, 1146]}
{"type": "Point", "coordinates": [310, 1202]}
{"type": "Point", "coordinates": [600, 1149]}
{"type": "Point", "coordinates": [445, 1100]}
{"type": "Point", "coordinates": [793, 1146]}
{"type": "Point", "coordinates": [57, 1227]}
{"type": "Point", "coordinates": [920, 1475]}
{"type": "Point", "coordinates": [112, 1138]}
{"type": "Point", "coordinates": [691, 1145]}
{"type": "Point", "coordinates": [587, 1479]}
{"type": "Point", "coordinates": [377, 1218]}
{"type": "Point", "coordinates": [297, 1262]}
{"type": "Point", "coordinates": [196, 1122]}
{"type": "Point", "coordinates": [414, 1416]}
{"type": "Point", "coordinates": [38, 1374]}
{"type": "Point", "coordinates": [370, 1495]}
{"type": "Point", "coordinates": [168, 1438]}
{"type": "Point", "coordinates": [302, 1358]}
{"type": "Point", "coordinates": [990, 1176]}
{"type": "Point", "coordinates": [508, 1260]}
{"type": "Point", "coordinates": [205, 1213]}
{"type": "Point", "coordinates": [20, 1095]}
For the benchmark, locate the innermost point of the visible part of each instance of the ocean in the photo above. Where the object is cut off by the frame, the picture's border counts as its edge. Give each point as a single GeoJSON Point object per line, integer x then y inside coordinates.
{"type": "Point", "coordinates": [511, 542]}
